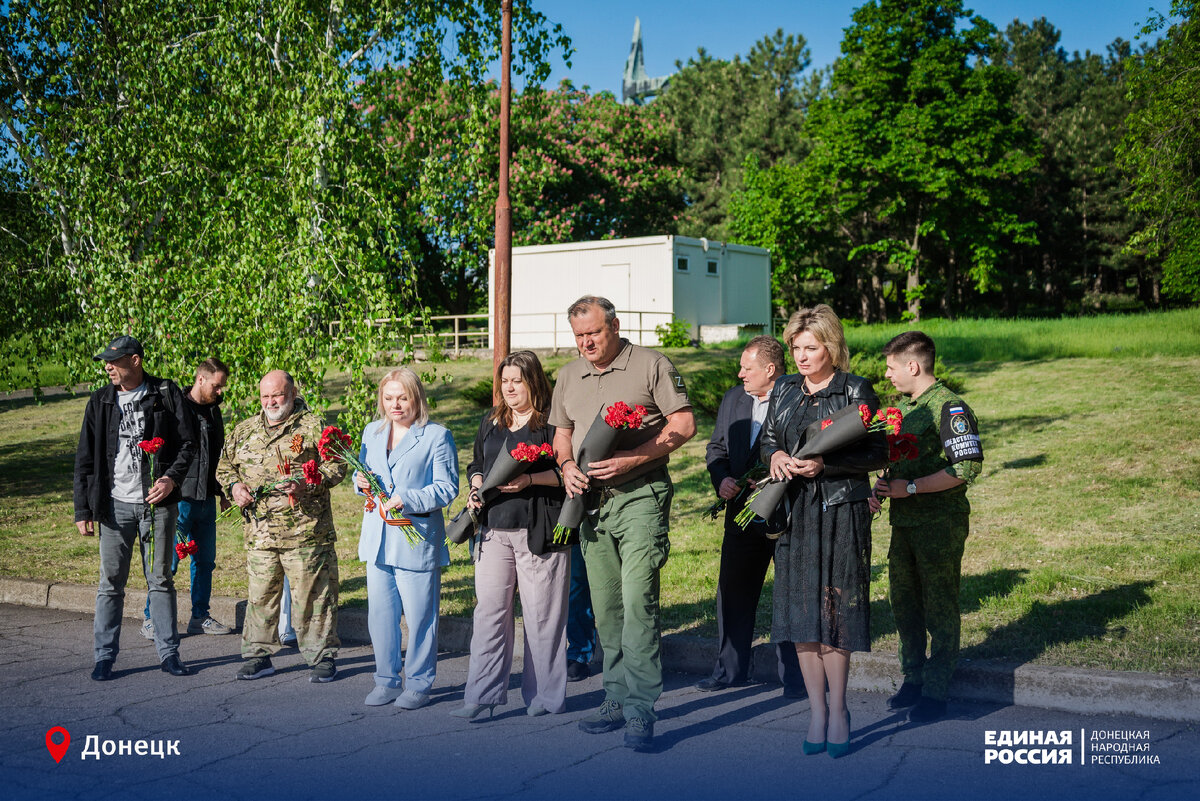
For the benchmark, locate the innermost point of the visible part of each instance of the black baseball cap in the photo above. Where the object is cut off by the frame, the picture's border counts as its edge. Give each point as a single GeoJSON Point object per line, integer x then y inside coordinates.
{"type": "Point", "coordinates": [121, 346]}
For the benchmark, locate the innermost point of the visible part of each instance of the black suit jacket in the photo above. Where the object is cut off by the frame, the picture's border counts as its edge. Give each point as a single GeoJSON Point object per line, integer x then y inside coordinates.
{"type": "Point", "coordinates": [730, 453]}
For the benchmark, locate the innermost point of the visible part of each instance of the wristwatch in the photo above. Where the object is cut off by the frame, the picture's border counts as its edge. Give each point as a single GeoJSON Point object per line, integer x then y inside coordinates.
{"type": "Point", "coordinates": [911, 488]}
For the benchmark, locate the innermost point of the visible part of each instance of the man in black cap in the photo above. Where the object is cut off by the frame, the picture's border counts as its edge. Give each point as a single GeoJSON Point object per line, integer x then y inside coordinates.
{"type": "Point", "coordinates": [115, 488]}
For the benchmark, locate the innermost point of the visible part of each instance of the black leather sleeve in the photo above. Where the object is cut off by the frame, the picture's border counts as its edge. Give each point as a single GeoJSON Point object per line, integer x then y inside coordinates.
{"type": "Point", "coordinates": [869, 453]}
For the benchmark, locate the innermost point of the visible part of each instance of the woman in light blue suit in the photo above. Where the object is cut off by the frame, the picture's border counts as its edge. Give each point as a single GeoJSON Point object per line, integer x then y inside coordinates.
{"type": "Point", "coordinates": [417, 463]}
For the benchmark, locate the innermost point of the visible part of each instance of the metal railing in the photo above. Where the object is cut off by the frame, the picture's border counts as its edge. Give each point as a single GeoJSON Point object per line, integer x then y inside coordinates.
{"type": "Point", "coordinates": [455, 332]}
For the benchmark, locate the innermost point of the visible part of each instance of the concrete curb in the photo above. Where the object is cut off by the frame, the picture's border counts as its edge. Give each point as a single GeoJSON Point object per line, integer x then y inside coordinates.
{"type": "Point", "coordinates": [1094, 692]}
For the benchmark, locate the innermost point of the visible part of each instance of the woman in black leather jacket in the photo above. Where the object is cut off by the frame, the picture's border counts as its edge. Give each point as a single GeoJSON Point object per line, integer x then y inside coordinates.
{"type": "Point", "coordinates": [823, 560]}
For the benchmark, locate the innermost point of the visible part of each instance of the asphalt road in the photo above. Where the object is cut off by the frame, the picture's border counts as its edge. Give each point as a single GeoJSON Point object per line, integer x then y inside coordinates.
{"type": "Point", "coordinates": [283, 737]}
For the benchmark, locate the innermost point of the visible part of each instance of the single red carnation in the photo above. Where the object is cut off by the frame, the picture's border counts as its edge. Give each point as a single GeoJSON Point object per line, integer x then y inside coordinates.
{"type": "Point", "coordinates": [152, 446]}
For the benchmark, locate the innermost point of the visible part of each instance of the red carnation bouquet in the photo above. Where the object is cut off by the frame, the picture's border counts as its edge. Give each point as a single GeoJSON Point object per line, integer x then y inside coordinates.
{"type": "Point", "coordinates": [901, 448]}
{"type": "Point", "coordinates": [509, 464]}
{"type": "Point", "coordinates": [335, 446]}
{"type": "Point", "coordinates": [844, 427]}
{"type": "Point", "coordinates": [598, 444]}
{"type": "Point", "coordinates": [151, 447]}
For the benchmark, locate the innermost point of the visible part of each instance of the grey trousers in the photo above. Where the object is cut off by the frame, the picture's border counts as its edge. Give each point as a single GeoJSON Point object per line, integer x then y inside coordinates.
{"type": "Point", "coordinates": [131, 527]}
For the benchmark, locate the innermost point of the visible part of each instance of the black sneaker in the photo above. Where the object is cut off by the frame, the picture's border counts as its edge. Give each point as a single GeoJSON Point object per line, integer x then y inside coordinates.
{"type": "Point", "coordinates": [639, 734]}
{"type": "Point", "coordinates": [256, 668]}
{"type": "Point", "coordinates": [577, 671]}
{"type": "Point", "coordinates": [908, 695]}
{"type": "Point", "coordinates": [927, 710]}
{"type": "Point", "coordinates": [323, 671]}
{"type": "Point", "coordinates": [607, 718]}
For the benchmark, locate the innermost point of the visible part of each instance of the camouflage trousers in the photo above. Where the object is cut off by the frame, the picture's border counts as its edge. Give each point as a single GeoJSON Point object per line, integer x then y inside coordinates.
{"type": "Point", "coordinates": [313, 575]}
{"type": "Point", "coordinates": [924, 572]}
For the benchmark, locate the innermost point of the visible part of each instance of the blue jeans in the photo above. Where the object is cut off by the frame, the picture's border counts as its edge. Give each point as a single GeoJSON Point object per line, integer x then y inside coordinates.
{"type": "Point", "coordinates": [197, 521]}
{"type": "Point", "coordinates": [581, 623]}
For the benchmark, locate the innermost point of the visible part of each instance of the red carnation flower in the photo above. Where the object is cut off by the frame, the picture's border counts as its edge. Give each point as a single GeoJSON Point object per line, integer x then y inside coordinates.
{"type": "Point", "coordinates": [312, 476]}
{"type": "Point", "coordinates": [152, 446]}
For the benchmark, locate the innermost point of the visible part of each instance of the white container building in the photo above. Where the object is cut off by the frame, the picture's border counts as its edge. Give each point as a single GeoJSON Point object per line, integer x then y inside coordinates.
{"type": "Point", "coordinates": [720, 289]}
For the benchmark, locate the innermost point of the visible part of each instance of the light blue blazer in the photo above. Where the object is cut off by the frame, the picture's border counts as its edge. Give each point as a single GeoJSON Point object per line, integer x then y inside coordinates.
{"type": "Point", "coordinates": [423, 470]}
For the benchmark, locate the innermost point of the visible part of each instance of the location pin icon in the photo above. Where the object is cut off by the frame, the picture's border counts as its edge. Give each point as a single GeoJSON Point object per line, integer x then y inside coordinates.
{"type": "Point", "coordinates": [58, 750]}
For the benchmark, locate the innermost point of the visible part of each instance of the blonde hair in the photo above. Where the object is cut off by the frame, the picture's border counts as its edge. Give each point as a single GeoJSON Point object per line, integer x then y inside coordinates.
{"type": "Point", "coordinates": [407, 379]}
{"type": "Point", "coordinates": [822, 322]}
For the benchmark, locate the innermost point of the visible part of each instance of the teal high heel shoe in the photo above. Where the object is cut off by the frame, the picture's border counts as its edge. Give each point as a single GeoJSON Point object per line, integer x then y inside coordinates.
{"type": "Point", "coordinates": [837, 750]}
{"type": "Point", "coordinates": [472, 711]}
{"type": "Point", "coordinates": [812, 748]}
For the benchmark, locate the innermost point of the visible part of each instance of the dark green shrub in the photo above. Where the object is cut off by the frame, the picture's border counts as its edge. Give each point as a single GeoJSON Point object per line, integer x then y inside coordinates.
{"type": "Point", "coordinates": [479, 393]}
{"type": "Point", "coordinates": [706, 388]}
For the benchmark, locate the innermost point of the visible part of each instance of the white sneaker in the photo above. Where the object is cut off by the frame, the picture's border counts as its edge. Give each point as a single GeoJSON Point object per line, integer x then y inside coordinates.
{"type": "Point", "coordinates": [207, 626]}
{"type": "Point", "coordinates": [148, 629]}
{"type": "Point", "coordinates": [411, 700]}
{"type": "Point", "coordinates": [382, 695]}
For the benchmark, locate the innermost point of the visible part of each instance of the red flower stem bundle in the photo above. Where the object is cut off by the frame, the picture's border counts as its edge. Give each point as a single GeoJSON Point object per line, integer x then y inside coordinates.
{"type": "Point", "coordinates": [598, 444]}
{"type": "Point", "coordinates": [334, 446]}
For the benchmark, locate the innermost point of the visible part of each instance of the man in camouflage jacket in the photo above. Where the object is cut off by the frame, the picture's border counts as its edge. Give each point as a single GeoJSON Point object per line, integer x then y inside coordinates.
{"type": "Point", "coordinates": [289, 528]}
{"type": "Point", "coordinates": [930, 521]}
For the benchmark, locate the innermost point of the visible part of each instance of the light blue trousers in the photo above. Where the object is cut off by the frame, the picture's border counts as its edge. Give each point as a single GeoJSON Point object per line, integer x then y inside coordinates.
{"type": "Point", "coordinates": [392, 592]}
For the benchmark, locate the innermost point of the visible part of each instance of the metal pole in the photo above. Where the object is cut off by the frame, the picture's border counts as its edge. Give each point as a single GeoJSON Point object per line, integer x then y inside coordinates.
{"type": "Point", "coordinates": [503, 268]}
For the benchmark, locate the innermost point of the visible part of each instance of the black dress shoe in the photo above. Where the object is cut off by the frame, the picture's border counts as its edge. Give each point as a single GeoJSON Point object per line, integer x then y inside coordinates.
{"type": "Point", "coordinates": [173, 666]}
{"type": "Point", "coordinates": [578, 671]}
{"type": "Point", "coordinates": [908, 695]}
{"type": "Point", "coordinates": [103, 670]}
{"type": "Point", "coordinates": [795, 692]}
{"type": "Point", "coordinates": [926, 710]}
{"type": "Point", "coordinates": [710, 685]}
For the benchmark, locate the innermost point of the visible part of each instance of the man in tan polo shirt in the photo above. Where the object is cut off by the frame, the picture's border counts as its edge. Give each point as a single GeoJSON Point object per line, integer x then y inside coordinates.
{"type": "Point", "coordinates": [625, 544]}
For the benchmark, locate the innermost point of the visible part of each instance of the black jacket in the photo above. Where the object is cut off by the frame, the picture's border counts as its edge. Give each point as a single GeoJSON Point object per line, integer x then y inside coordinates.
{"type": "Point", "coordinates": [845, 476]}
{"type": "Point", "coordinates": [730, 453]}
{"type": "Point", "coordinates": [166, 416]}
{"type": "Point", "coordinates": [201, 481]}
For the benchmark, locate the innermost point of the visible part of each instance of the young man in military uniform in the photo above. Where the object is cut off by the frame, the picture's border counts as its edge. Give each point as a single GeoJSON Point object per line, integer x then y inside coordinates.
{"type": "Point", "coordinates": [930, 522]}
{"type": "Point", "coordinates": [625, 544]}
{"type": "Point", "coordinates": [289, 530]}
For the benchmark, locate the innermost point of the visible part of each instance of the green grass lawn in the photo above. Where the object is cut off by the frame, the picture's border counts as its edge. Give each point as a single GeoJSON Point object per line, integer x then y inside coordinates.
{"type": "Point", "coordinates": [1083, 549]}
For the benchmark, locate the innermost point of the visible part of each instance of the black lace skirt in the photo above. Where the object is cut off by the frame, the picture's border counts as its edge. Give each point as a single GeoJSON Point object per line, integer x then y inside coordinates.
{"type": "Point", "coordinates": [823, 574]}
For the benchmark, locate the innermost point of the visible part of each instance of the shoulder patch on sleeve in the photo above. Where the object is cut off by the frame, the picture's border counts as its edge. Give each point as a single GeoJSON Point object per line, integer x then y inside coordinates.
{"type": "Point", "coordinates": [677, 380]}
{"type": "Point", "coordinates": [960, 433]}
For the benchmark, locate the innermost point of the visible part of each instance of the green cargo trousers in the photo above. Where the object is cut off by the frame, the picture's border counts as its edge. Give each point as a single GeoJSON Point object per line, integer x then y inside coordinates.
{"type": "Point", "coordinates": [313, 575]}
{"type": "Point", "coordinates": [624, 550]}
{"type": "Point", "coordinates": [924, 573]}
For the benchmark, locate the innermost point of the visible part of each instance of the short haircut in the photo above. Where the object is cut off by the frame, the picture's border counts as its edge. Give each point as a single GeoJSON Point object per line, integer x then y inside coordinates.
{"type": "Point", "coordinates": [768, 351]}
{"type": "Point", "coordinates": [212, 365]}
{"type": "Point", "coordinates": [916, 345]}
{"type": "Point", "coordinates": [412, 387]}
{"type": "Point", "coordinates": [581, 306]}
{"type": "Point", "coordinates": [539, 389]}
{"type": "Point", "coordinates": [822, 322]}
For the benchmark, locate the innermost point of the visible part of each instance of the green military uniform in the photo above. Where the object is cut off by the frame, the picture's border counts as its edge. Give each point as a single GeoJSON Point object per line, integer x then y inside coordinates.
{"type": "Point", "coordinates": [281, 539]}
{"type": "Point", "coordinates": [929, 531]}
{"type": "Point", "coordinates": [626, 543]}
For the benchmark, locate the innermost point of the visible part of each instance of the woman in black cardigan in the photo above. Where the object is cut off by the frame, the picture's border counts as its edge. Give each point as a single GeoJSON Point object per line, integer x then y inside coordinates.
{"type": "Point", "coordinates": [516, 549]}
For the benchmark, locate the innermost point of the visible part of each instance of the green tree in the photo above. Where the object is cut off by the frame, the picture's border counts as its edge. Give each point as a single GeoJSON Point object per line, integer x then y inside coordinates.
{"type": "Point", "coordinates": [915, 146]}
{"type": "Point", "coordinates": [722, 112]}
{"type": "Point", "coordinates": [1161, 151]}
{"type": "Point", "coordinates": [207, 172]}
{"type": "Point", "coordinates": [583, 167]}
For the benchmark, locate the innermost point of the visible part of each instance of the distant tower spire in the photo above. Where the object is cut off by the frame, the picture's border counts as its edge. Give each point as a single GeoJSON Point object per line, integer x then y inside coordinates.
{"type": "Point", "coordinates": [638, 87]}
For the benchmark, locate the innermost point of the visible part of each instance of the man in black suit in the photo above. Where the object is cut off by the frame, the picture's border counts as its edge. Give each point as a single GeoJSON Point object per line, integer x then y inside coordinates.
{"type": "Point", "coordinates": [745, 555]}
